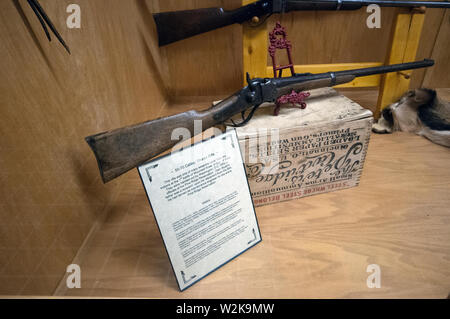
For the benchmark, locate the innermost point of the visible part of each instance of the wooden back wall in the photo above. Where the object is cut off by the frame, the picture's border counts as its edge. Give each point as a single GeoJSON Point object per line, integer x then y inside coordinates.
{"type": "Point", "coordinates": [51, 194]}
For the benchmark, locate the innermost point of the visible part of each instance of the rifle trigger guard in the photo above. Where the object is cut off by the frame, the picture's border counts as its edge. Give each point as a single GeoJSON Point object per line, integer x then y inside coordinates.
{"type": "Point", "coordinates": [247, 119]}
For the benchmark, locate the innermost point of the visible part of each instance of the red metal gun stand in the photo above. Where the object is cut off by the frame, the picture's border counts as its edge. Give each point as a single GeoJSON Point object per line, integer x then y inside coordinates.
{"type": "Point", "coordinates": [278, 41]}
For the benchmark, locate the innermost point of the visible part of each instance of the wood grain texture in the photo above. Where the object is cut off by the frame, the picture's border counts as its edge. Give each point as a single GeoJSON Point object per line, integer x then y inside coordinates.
{"type": "Point", "coordinates": [336, 37]}
{"type": "Point", "coordinates": [432, 23]}
{"type": "Point", "coordinates": [51, 194]}
{"type": "Point", "coordinates": [404, 43]}
{"type": "Point", "coordinates": [440, 76]}
{"type": "Point", "coordinates": [315, 247]}
{"type": "Point", "coordinates": [255, 43]}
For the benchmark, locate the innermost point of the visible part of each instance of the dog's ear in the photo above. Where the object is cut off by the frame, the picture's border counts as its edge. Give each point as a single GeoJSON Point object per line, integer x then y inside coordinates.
{"type": "Point", "coordinates": [387, 115]}
{"type": "Point", "coordinates": [422, 96]}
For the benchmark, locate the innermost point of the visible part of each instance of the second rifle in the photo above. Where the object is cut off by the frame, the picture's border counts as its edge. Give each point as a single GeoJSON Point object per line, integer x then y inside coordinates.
{"type": "Point", "coordinates": [178, 25]}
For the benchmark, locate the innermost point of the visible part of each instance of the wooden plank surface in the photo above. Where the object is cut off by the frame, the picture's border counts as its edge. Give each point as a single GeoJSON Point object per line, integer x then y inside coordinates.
{"type": "Point", "coordinates": [255, 41]}
{"type": "Point", "coordinates": [436, 77]}
{"type": "Point", "coordinates": [318, 246]}
{"type": "Point", "coordinates": [50, 194]}
{"type": "Point", "coordinates": [405, 42]}
{"type": "Point", "coordinates": [432, 24]}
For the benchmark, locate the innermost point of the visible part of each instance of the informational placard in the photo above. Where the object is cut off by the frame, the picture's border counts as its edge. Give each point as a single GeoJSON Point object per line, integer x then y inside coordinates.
{"type": "Point", "coordinates": [202, 205]}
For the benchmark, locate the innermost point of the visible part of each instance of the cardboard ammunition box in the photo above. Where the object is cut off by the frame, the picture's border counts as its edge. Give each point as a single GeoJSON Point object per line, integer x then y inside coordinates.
{"type": "Point", "coordinates": [304, 152]}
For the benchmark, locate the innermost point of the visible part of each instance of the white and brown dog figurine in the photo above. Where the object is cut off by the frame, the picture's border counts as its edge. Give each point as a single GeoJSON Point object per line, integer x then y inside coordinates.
{"type": "Point", "coordinates": [419, 111]}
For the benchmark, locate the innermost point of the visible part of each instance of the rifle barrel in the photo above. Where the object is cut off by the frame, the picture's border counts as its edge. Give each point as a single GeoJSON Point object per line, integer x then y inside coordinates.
{"type": "Point", "coordinates": [281, 82]}
{"type": "Point", "coordinates": [387, 68]}
{"type": "Point", "coordinates": [388, 3]}
{"type": "Point", "coordinates": [301, 5]}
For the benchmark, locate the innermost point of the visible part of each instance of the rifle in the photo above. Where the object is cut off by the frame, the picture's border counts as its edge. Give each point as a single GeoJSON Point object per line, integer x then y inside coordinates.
{"type": "Point", "coordinates": [179, 25]}
{"type": "Point", "coordinates": [120, 150]}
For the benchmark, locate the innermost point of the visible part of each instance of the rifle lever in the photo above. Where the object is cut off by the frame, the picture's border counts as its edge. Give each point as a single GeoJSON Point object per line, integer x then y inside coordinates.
{"type": "Point", "coordinates": [247, 119]}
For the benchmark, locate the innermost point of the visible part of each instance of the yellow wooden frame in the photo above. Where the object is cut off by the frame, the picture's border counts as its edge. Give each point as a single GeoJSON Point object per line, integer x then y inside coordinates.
{"type": "Point", "coordinates": [404, 44]}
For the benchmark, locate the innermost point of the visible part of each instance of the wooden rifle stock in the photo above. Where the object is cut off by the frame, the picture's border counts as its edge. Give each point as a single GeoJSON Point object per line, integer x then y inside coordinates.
{"type": "Point", "coordinates": [177, 25]}
{"type": "Point", "coordinates": [122, 149]}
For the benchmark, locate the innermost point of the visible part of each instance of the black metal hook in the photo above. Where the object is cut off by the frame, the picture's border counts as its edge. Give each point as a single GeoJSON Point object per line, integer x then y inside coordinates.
{"type": "Point", "coordinates": [43, 19]}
